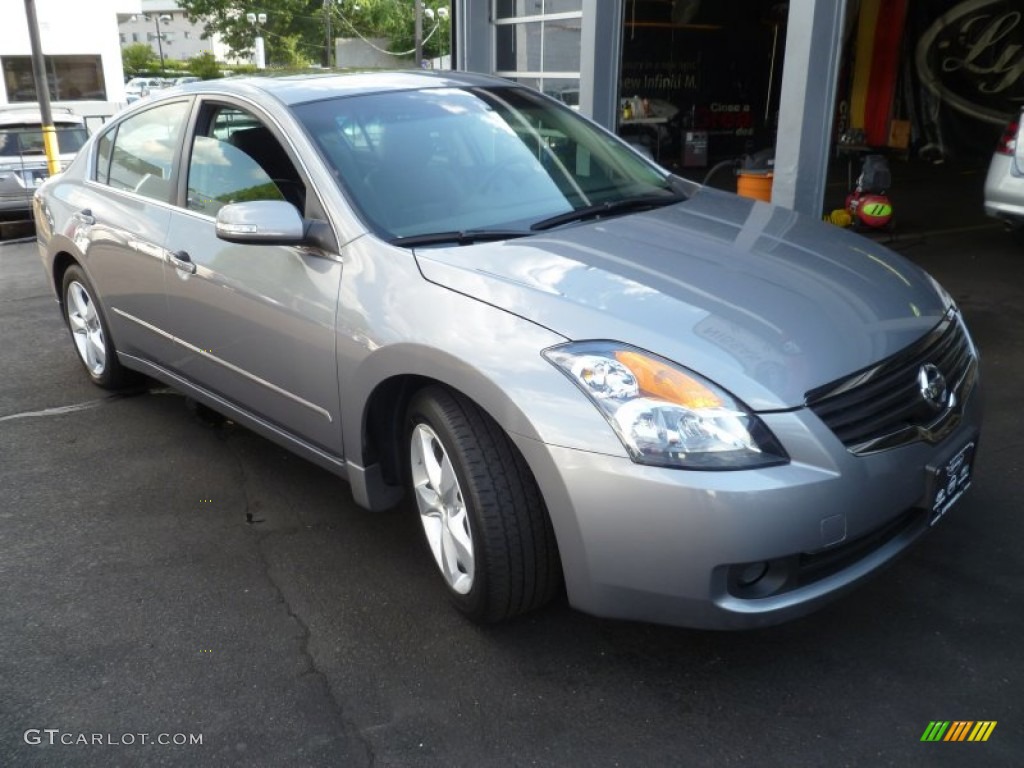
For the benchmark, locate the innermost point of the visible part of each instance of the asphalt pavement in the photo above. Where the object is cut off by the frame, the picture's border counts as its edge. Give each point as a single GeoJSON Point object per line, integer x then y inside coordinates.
{"type": "Point", "coordinates": [168, 580]}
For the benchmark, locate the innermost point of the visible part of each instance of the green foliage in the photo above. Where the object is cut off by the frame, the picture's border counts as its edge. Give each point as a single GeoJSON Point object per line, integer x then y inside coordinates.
{"type": "Point", "coordinates": [138, 57]}
{"type": "Point", "coordinates": [291, 52]}
{"type": "Point", "coordinates": [241, 69]}
{"type": "Point", "coordinates": [204, 65]}
{"type": "Point", "coordinates": [295, 30]}
{"type": "Point", "coordinates": [291, 26]}
{"type": "Point", "coordinates": [395, 20]}
{"type": "Point", "coordinates": [266, 191]}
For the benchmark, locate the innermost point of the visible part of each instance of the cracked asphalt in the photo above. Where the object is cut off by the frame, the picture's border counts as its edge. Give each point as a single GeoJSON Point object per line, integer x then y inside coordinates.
{"type": "Point", "coordinates": [164, 576]}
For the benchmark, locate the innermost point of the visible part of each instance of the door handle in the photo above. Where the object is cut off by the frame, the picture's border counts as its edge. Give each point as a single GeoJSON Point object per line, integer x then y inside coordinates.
{"type": "Point", "coordinates": [85, 217]}
{"type": "Point", "coordinates": [181, 260]}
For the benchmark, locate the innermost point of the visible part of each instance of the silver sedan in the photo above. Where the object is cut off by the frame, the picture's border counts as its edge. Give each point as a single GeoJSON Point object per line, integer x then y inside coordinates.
{"type": "Point", "coordinates": [1004, 183]}
{"type": "Point", "coordinates": [675, 404]}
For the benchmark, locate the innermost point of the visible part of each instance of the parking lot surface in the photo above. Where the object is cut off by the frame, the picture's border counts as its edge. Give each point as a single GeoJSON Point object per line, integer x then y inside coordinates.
{"type": "Point", "coordinates": [168, 577]}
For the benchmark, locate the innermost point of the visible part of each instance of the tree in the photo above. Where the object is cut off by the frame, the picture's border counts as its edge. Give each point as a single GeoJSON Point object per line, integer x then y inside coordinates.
{"type": "Point", "coordinates": [137, 57]}
{"type": "Point", "coordinates": [292, 25]}
{"type": "Point", "coordinates": [295, 29]}
{"type": "Point", "coordinates": [293, 52]}
{"type": "Point", "coordinates": [395, 20]}
{"type": "Point", "coordinates": [204, 65]}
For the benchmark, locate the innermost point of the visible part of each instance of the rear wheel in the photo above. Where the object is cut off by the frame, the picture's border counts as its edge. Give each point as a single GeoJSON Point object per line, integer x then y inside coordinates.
{"type": "Point", "coordinates": [482, 513]}
{"type": "Point", "coordinates": [89, 331]}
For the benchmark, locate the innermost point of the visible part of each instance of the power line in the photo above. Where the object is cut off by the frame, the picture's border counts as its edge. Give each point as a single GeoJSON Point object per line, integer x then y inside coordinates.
{"type": "Point", "coordinates": [349, 24]}
{"type": "Point", "coordinates": [336, 11]}
{"type": "Point", "coordinates": [318, 47]}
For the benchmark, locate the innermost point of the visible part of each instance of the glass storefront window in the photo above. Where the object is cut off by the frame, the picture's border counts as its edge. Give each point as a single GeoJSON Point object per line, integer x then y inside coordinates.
{"type": "Point", "coordinates": [516, 9]}
{"type": "Point", "coordinates": [519, 47]}
{"type": "Point", "coordinates": [565, 89]}
{"type": "Point", "coordinates": [562, 6]}
{"type": "Point", "coordinates": [538, 42]}
{"type": "Point", "coordinates": [561, 39]}
{"type": "Point", "coordinates": [511, 9]}
{"type": "Point", "coordinates": [70, 78]}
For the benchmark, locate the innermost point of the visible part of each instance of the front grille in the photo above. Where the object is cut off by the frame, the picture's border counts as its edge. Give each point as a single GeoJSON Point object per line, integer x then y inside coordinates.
{"type": "Point", "coordinates": [882, 407]}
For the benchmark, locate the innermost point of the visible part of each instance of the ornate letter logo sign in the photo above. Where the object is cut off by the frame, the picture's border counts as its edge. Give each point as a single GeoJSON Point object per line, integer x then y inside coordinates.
{"type": "Point", "coordinates": [972, 58]}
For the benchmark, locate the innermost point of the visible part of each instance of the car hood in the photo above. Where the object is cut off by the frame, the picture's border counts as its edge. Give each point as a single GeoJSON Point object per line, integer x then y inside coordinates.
{"type": "Point", "coordinates": [765, 302]}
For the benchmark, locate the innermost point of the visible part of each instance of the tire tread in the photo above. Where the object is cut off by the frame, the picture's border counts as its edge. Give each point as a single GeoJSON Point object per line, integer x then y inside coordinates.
{"type": "Point", "coordinates": [519, 551]}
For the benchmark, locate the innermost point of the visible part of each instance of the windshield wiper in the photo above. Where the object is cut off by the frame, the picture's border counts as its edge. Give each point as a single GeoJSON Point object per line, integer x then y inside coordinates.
{"type": "Point", "coordinates": [609, 208]}
{"type": "Point", "coordinates": [459, 237]}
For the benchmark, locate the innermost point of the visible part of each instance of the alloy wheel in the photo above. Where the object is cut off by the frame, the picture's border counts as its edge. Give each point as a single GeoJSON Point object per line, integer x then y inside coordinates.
{"type": "Point", "coordinates": [86, 328]}
{"type": "Point", "coordinates": [442, 509]}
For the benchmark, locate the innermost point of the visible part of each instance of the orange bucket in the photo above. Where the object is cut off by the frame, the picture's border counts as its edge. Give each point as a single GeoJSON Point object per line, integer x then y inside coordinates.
{"type": "Point", "coordinates": [757, 185]}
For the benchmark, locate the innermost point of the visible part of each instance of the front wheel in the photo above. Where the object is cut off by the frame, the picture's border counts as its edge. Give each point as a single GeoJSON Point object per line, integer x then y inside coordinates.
{"type": "Point", "coordinates": [84, 319]}
{"type": "Point", "coordinates": [482, 513]}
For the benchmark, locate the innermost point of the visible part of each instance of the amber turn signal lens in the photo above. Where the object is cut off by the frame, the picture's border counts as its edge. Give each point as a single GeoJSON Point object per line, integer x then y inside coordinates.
{"type": "Point", "coordinates": [669, 384]}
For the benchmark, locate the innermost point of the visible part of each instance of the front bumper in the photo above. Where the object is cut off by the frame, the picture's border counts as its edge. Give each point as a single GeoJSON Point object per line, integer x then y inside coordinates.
{"type": "Point", "coordinates": [669, 546]}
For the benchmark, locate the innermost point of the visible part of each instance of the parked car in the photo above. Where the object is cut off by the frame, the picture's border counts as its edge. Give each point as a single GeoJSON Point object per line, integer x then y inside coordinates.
{"type": "Point", "coordinates": [185, 79]}
{"type": "Point", "coordinates": [23, 165]}
{"type": "Point", "coordinates": [1004, 184]}
{"type": "Point", "coordinates": [698, 409]}
{"type": "Point", "coordinates": [141, 87]}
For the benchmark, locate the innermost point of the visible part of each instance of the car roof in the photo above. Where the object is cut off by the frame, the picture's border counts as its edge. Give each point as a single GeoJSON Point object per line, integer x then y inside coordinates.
{"type": "Point", "coordinates": [299, 89]}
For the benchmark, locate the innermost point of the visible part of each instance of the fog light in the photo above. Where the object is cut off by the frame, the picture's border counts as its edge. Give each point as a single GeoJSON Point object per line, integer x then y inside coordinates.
{"type": "Point", "coordinates": [751, 574]}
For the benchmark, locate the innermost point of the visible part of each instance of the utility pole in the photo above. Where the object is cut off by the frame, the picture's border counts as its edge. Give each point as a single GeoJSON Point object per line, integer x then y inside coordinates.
{"type": "Point", "coordinates": [160, 38]}
{"type": "Point", "coordinates": [328, 41]}
{"type": "Point", "coordinates": [257, 20]}
{"type": "Point", "coordinates": [419, 33]}
{"type": "Point", "coordinates": [42, 91]}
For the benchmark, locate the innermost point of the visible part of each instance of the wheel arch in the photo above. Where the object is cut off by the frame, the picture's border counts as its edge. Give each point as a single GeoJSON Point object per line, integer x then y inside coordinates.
{"type": "Point", "coordinates": [61, 262]}
{"type": "Point", "coordinates": [383, 386]}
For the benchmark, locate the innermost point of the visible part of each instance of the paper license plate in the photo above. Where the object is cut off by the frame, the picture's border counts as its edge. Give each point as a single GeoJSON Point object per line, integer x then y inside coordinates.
{"type": "Point", "coordinates": [948, 481]}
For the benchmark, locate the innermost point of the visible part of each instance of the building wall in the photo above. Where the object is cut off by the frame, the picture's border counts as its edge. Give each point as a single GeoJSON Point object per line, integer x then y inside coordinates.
{"type": "Point", "coordinates": [181, 38]}
{"type": "Point", "coordinates": [367, 54]}
{"type": "Point", "coordinates": [71, 29]}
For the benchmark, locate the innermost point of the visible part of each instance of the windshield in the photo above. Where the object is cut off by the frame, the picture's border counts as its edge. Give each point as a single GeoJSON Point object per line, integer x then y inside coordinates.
{"type": "Point", "coordinates": [460, 160]}
{"type": "Point", "coordinates": [17, 140]}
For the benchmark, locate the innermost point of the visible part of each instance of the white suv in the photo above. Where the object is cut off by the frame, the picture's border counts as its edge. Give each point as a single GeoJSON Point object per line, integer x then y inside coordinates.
{"type": "Point", "coordinates": [23, 157]}
{"type": "Point", "coordinates": [1004, 185]}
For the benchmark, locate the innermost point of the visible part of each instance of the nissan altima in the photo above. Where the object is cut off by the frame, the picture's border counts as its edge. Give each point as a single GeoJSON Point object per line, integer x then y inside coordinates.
{"type": "Point", "coordinates": [590, 375]}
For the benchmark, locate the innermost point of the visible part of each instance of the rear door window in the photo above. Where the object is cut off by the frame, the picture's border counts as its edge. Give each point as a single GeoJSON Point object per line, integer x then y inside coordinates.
{"type": "Point", "coordinates": [144, 148]}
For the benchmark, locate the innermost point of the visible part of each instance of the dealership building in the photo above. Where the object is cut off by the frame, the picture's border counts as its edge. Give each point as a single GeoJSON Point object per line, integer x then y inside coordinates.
{"type": "Point", "coordinates": [692, 82]}
{"type": "Point", "coordinates": [695, 81]}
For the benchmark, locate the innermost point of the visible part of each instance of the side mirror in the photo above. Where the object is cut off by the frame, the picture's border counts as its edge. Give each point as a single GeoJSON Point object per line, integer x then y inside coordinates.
{"type": "Point", "coordinates": [1018, 152]}
{"type": "Point", "coordinates": [261, 222]}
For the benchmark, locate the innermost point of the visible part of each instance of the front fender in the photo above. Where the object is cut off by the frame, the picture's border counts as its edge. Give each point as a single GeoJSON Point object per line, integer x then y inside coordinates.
{"type": "Point", "coordinates": [393, 323]}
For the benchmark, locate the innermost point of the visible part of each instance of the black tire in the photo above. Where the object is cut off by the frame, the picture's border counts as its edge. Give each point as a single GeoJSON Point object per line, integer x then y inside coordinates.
{"type": "Point", "coordinates": [76, 293]}
{"type": "Point", "coordinates": [516, 567]}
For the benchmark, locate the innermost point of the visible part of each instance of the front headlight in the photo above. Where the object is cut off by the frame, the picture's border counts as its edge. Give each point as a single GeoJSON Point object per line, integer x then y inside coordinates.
{"type": "Point", "coordinates": [664, 414]}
